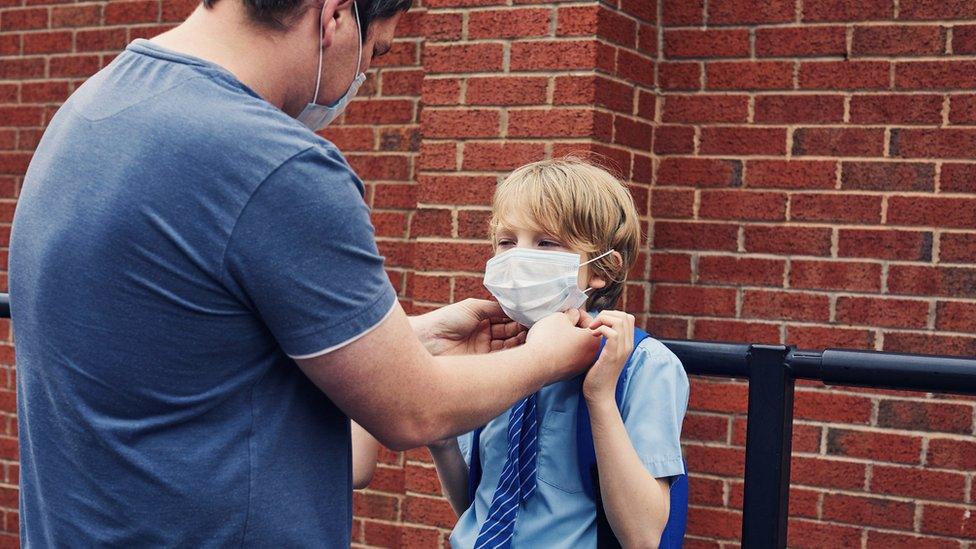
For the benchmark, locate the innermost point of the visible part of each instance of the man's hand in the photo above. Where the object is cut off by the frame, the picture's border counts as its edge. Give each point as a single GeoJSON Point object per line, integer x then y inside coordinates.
{"type": "Point", "coordinates": [472, 326]}
{"type": "Point", "coordinates": [566, 342]}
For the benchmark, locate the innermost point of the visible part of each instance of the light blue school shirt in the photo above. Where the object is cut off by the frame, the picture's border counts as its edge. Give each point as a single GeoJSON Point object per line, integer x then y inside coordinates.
{"type": "Point", "coordinates": [178, 242]}
{"type": "Point", "coordinates": [560, 514]}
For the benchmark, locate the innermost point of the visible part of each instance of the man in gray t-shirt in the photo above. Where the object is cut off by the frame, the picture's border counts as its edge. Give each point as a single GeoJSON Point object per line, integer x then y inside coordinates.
{"type": "Point", "coordinates": [199, 302]}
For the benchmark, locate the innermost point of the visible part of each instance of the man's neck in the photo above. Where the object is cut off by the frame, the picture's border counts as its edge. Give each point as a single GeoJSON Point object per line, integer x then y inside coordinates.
{"type": "Point", "coordinates": [261, 59]}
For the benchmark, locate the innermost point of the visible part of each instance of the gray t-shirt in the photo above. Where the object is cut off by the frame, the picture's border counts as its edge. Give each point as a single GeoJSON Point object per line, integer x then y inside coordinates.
{"type": "Point", "coordinates": [177, 243]}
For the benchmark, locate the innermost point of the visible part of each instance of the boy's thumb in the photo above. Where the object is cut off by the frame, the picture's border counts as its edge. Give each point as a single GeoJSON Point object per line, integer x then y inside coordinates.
{"type": "Point", "coordinates": [584, 319]}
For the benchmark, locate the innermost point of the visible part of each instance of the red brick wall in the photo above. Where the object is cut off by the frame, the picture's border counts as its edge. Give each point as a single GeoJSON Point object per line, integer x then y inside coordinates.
{"type": "Point", "coordinates": [807, 173]}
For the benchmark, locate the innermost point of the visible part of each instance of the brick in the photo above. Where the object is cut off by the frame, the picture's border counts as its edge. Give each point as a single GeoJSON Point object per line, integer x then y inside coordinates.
{"type": "Point", "coordinates": [440, 91]}
{"type": "Point", "coordinates": [706, 108]}
{"type": "Point", "coordinates": [827, 473]}
{"type": "Point", "coordinates": [705, 428]}
{"type": "Point", "coordinates": [350, 138]}
{"type": "Point", "coordinates": [832, 407]}
{"type": "Point", "coordinates": [944, 9]}
{"type": "Point", "coordinates": [957, 247]}
{"type": "Point", "coordinates": [713, 523]}
{"type": "Point", "coordinates": [925, 416]}
{"type": "Point", "coordinates": [791, 174]}
{"type": "Point", "coordinates": [425, 510]}
{"type": "Point", "coordinates": [21, 68]}
{"type": "Point", "coordinates": [617, 28]}
{"type": "Point", "coordinates": [673, 204]}
{"type": "Point", "coordinates": [932, 212]}
{"type": "Point", "coordinates": [698, 172]}
{"type": "Point", "coordinates": [374, 505]}
{"type": "Point", "coordinates": [635, 68]}
{"type": "Point", "coordinates": [801, 42]}
{"type": "Point", "coordinates": [796, 109]}
{"type": "Point", "coordinates": [896, 109]}
{"type": "Point", "coordinates": [680, 76]}
{"type": "Point", "coordinates": [667, 326]}
{"type": "Point", "coordinates": [430, 288]}
{"type": "Point", "coordinates": [885, 244]}
{"type": "Point", "coordinates": [437, 156]}
{"type": "Point", "coordinates": [19, 116]}
{"type": "Point", "coordinates": [708, 43]}
{"type": "Point", "coordinates": [626, 131]}
{"type": "Point", "coordinates": [682, 12]}
{"type": "Point", "coordinates": [100, 40]}
{"type": "Point", "coordinates": [23, 19]}
{"type": "Point", "coordinates": [871, 511]}
{"type": "Point", "coordinates": [10, 44]}
{"type": "Point", "coordinates": [925, 143]}
{"type": "Point", "coordinates": [48, 42]}
{"type": "Point", "coordinates": [888, 176]}
{"type": "Point", "coordinates": [844, 75]}
{"type": "Point", "coordinates": [380, 111]}
{"type": "Point", "coordinates": [956, 316]}
{"type": "Point", "coordinates": [506, 90]}
{"type": "Point", "coordinates": [848, 10]}
{"type": "Point", "coordinates": [473, 223]}
{"type": "Point", "coordinates": [460, 123]}
{"type": "Point", "coordinates": [575, 90]}
{"type": "Point", "coordinates": [510, 23]}
{"type": "Point", "coordinates": [949, 521]}
{"type": "Point", "coordinates": [670, 235]}
{"type": "Point", "coordinates": [403, 53]}
{"type": "Point", "coordinates": [898, 40]}
{"type": "Point", "coordinates": [835, 275]}
{"type": "Point", "coordinates": [740, 205]}
{"type": "Point", "coordinates": [736, 331]}
{"type": "Point", "coordinates": [431, 222]}
{"type": "Point", "coordinates": [527, 56]}
{"type": "Point", "coordinates": [747, 271]}
{"type": "Point", "coordinates": [964, 39]}
{"type": "Point", "coordinates": [841, 208]}
{"type": "Point", "coordinates": [669, 267]}
{"type": "Point", "coordinates": [962, 109]}
{"type": "Point", "coordinates": [743, 141]}
{"type": "Point", "coordinates": [952, 454]}
{"type": "Point", "coordinates": [894, 313]}
{"type": "Point", "coordinates": [838, 141]}
{"type": "Point", "coordinates": [387, 167]}
{"type": "Point", "coordinates": [958, 177]}
{"type": "Point", "coordinates": [131, 11]}
{"type": "Point", "coordinates": [178, 10]}
{"type": "Point", "coordinates": [935, 75]}
{"type": "Point", "coordinates": [756, 75]}
{"type": "Point", "coordinates": [461, 58]}
{"type": "Point", "coordinates": [76, 16]}
{"type": "Point", "coordinates": [500, 156]}
{"type": "Point", "coordinates": [918, 483]}
{"type": "Point", "coordinates": [768, 304]}
{"type": "Point", "coordinates": [674, 140]}
{"type": "Point", "coordinates": [738, 12]}
{"type": "Point", "coordinates": [693, 300]}
{"type": "Point", "coordinates": [887, 540]}
{"type": "Point", "coordinates": [716, 460]}
{"type": "Point", "coordinates": [787, 240]}
{"type": "Point", "coordinates": [14, 163]}
{"type": "Point", "coordinates": [929, 344]}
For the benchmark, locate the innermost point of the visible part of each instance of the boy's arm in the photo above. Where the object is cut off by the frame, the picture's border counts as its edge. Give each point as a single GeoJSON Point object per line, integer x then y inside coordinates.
{"type": "Point", "coordinates": [364, 450]}
{"type": "Point", "coordinates": [636, 504]}
{"type": "Point", "coordinates": [452, 472]}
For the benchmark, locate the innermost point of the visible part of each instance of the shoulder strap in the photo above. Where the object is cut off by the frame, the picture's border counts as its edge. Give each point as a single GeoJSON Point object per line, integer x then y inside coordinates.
{"type": "Point", "coordinates": [585, 452]}
{"type": "Point", "coordinates": [474, 469]}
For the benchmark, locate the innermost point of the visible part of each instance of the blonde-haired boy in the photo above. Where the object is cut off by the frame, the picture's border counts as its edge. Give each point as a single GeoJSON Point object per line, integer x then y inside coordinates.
{"type": "Point", "coordinates": [565, 234]}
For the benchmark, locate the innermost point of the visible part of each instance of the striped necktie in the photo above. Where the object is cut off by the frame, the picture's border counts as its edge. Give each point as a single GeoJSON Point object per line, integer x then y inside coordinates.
{"type": "Point", "coordinates": [517, 482]}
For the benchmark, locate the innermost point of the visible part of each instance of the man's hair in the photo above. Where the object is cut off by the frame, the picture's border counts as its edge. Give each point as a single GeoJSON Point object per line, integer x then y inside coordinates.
{"type": "Point", "coordinates": [583, 206]}
{"type": "Point", "coordinates": [279, 14]}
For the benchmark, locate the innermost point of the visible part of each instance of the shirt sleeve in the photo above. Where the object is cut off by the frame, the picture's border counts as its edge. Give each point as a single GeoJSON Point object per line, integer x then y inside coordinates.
{"type": "Point", "coordinates": [655, 401]}
{"type": "Point", "coordinates": [303, 255]}
{"type": "Point", "coordinates": [464, 443]}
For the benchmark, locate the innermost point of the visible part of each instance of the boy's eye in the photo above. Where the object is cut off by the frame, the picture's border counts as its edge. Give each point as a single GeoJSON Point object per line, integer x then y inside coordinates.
{"type": "Point", "coordinates": [549, 244]}
{"type": "Point", "coordinates": [505, 242]}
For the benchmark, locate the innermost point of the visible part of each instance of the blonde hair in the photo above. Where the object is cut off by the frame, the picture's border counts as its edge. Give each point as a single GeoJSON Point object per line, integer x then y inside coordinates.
{"type": "Point", "coordinates": [584, 206]}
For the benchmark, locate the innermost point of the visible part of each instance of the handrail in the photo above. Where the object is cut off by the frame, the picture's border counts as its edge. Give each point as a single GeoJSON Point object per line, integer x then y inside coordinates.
{"type": "Point", "coordinates": [772, 371]}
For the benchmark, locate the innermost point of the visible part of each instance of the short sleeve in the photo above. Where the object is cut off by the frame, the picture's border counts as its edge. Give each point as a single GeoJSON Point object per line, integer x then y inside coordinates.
{"type": "Point", "coordinates": [303, 255]}
{"type": "Point", "coordinates": [464, 443]}
{"type": "Point", "coordinates": [655, 401]}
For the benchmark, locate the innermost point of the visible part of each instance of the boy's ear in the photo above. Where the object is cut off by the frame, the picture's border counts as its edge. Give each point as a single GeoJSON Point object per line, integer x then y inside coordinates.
{"type": "Point", "coordinates": [596, 281]}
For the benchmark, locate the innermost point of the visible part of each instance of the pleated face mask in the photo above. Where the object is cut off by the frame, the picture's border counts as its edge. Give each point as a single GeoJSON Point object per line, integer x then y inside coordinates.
{"type": "Point", "coordinates": [532, 284]}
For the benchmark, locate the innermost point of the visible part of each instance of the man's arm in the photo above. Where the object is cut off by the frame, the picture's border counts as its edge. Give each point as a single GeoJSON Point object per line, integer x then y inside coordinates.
{"type": "Point", "coordinates": [364, 450]}
{"type": "Point", "coordinates": [388, 383]}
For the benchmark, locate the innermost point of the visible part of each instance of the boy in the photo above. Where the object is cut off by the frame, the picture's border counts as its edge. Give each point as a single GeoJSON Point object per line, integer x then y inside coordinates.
{"type": "Point", "coordinates": [566, 232]}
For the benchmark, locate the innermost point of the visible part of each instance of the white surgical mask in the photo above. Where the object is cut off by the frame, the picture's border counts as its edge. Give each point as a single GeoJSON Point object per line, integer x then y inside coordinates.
{"type": "Point", "coordinates": [532, 284]}
{"type": "Point", "coordinates": [316, 116]}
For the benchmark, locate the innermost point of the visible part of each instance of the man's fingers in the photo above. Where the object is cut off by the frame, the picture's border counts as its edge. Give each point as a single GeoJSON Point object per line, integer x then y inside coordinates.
{"type": "Point", "coordinates": [484, 308]}
{"type": "Point", "coordinates": [584, 319]}
{"type": "Point", "coordinates": [506, 330]}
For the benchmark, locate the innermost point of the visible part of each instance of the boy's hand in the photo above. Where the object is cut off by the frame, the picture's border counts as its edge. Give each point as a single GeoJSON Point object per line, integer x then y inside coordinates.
{"type": "Point", "coordinates": [617, 327]}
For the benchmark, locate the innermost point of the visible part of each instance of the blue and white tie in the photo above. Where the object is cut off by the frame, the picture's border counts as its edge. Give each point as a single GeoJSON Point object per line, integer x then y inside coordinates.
{"type": "Point", "coordinates": [517, 482]}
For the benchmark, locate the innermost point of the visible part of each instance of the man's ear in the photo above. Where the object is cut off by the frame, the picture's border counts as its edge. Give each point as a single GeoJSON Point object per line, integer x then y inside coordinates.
{"type": "Point", "coordinates": [328, 20]}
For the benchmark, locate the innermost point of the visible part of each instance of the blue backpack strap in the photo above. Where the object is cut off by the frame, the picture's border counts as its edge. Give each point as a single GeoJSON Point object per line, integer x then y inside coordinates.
{"type": "Point", "coordinates": [674, 531]}
{"type": "Point", "coordinates": [585, 452]}
{"type": "Point", "coordinates": [474, 468]}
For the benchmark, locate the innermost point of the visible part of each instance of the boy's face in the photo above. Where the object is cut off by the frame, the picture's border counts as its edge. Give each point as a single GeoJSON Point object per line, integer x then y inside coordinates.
{"type": "Point", "coordinates": [513, 233]}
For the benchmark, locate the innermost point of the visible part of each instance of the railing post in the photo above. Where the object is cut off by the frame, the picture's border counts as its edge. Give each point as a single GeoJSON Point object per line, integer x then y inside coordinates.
{"type": "Point", "coordinates": [768, 443]}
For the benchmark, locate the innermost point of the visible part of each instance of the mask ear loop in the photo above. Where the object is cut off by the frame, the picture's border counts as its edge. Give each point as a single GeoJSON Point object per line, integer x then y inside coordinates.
{"type": "Point", "coordinates": [601, 256]}
{"type": "Point", "coordinates": [318, 79]}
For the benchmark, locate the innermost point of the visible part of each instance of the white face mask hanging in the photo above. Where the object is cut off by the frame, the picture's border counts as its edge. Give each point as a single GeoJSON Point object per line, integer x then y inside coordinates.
{"type": "Point", "coordinates": [532, 284]}
{"type": "Point", "coordinates": [315, 116]}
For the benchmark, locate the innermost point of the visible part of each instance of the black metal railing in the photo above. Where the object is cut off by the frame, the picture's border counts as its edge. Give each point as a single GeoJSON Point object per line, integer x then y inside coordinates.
{"type": "Point", "coordinates": [772, 371]}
